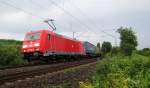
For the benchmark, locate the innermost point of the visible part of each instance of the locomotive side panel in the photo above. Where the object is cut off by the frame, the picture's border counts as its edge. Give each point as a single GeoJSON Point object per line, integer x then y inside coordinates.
{"type": "Point", "coordinates": [51, 44]}
{"type": "Point", "coordinates": [58, 44]}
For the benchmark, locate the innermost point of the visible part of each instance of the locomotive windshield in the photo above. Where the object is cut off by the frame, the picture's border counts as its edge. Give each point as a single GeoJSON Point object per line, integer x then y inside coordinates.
{"type": "Point", "coordinates": [33, 36]}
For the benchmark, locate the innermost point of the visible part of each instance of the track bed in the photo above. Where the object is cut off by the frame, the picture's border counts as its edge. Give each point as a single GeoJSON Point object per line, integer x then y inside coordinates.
{"type": "Point", "coordinates": [29, 72]}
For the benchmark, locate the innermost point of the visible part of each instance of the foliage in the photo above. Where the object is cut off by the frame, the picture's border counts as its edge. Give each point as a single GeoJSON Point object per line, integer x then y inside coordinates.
{"type": "Point", "coordinates": [128, 40]}
{"type": "Point", "coordinates": [122, 72]}
{"type": "Point", "coordinates": [145, 52]}
{"type": "Point", "coordinates": [106, 47]}
{"type": "Point", "coordinates": [10, 42]}
{"type": "Point", "coordinates": [115, 50]}
{"type": "Point", "coordinates": [85, 85]}
{"type": "Point", "coordinates": [10, 53]}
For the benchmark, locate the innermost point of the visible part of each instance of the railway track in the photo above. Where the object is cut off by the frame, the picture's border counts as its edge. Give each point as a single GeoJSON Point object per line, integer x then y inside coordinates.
{"type": "Point", "coordinates": [19, 66]}
{"type": "Point", "coordinates": [44, 70]}
{"type": "Point", "coordinates": [29, 65]}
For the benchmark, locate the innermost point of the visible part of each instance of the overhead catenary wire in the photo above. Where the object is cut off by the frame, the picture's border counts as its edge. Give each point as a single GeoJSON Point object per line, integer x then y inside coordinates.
{"type": "Point", "coordinates": [20, 9]}
{"type": "Point", "coordinates": [29, 13]}
{"type": "Point", "coordinates": [68, 13]}
{"type": "Point", "coordinates": [87, 17]}
{"type": "Point", "coordinates": [6, 3]}
{"type": "Point", "coordinates": [37, 4]}
{"type": "Point", "coordinates": [43, 7]}
{"type": "Point", "coordinates": [37, 16]}
{"type": "Point", "coordinates": [78, 20]}
{"type": "Point", "coordinates": [74, 17]}
{"type": "Point", "coordinates": [81, 12]}
{"type": "Point", "coordinates": [32, 14]}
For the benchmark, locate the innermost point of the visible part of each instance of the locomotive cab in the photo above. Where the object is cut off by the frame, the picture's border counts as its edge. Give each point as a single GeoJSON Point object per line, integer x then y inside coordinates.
{"type": "Point", "coordinates": [32, 44]}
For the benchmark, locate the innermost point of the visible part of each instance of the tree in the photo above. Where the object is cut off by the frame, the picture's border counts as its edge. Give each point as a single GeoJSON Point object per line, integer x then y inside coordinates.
{"type": "Point", "coordinates": [128, 40]}
{"type": "Point", "coordinates": [106, 47]}
{"type": "Point", "coordinates": [145, 52]}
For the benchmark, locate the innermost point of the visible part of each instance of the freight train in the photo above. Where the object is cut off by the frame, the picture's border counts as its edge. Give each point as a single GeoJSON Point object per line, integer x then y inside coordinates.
{"type": "Point", "coordinates": [45, 43]}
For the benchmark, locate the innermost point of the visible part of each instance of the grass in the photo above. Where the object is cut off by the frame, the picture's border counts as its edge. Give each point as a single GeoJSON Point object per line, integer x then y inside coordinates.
{"type": "Point", "coordinates": [123, 72]}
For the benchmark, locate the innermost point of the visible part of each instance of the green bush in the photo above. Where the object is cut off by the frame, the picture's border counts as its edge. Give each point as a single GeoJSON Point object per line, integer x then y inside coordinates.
{"type": "Point", "coordinates": [122, 72]}
{"type": "Point", "coordinates": [145, 52]}
{"type": "Point", "coordinates": [10, 53]}
{"type": "Point", "coordinates": [10, 42]}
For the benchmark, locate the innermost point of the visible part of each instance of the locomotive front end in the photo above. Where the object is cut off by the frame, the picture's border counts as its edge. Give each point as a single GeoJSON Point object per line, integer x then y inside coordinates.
{"type": "Point", "coordinates": [31, 45]}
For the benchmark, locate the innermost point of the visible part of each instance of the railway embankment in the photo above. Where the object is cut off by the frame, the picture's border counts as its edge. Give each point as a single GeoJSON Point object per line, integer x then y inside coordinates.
{"type": "Point", "coordinates": [69, 78]}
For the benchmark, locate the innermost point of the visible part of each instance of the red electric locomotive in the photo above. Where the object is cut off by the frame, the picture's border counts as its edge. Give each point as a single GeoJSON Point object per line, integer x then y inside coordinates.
{"type": "Point", "coordinates": [45, 43]}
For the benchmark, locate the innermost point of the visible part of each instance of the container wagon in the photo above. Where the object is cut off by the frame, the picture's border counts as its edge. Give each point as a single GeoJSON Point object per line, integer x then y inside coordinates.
{"type": "Point", "coordinates": [90, 49]}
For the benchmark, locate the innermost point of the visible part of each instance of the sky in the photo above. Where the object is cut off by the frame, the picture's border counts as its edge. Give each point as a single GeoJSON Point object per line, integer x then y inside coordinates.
{"type": "Point", "coordinates": [87, 18]}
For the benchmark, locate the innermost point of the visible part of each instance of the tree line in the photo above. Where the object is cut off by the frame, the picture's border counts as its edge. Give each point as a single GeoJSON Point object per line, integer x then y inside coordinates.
{"type": "Point", "coordinates": [128, 44]}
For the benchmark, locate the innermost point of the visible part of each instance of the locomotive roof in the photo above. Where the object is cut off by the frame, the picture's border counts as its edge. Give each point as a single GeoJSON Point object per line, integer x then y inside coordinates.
{"type": "Point", "coordinates": [67, 37]}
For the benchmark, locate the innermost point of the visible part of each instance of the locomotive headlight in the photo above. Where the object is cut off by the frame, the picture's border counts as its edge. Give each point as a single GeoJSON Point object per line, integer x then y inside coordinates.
{"type": "Point", "coordinates": [24, 46]}
{"type": "Point", "coordinates": [37, 44]}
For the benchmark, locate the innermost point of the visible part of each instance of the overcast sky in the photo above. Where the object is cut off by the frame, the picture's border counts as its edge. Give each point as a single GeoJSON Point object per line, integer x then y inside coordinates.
{"type": "Point", "coordinates": [91, 17]}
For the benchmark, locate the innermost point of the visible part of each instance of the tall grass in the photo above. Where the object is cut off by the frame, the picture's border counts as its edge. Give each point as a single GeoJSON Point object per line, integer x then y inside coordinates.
{"type": "Point", "coordinates": [123, 72]}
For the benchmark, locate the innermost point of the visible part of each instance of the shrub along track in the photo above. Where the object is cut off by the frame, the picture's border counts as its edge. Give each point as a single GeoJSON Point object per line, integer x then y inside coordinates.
{"type": "Point", "coordinates": [44, 70]}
